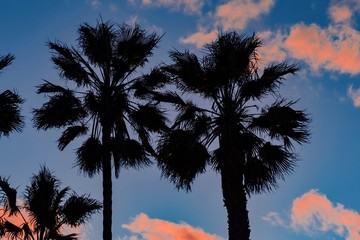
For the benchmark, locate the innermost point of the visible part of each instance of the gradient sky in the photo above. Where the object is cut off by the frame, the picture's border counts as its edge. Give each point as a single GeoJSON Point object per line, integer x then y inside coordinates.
{"type": "Point", "coordinates": [321, 200]}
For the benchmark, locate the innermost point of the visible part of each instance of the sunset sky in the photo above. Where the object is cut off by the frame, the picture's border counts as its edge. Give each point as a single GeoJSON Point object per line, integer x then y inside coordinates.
{"type": "Point", "coordinates": [321, 200]}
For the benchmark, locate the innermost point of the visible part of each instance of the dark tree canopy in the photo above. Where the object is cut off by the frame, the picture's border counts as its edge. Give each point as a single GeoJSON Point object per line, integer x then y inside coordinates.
{"type": "Point", "coordinates": [45, 209]}
{"type": "Point", "coordinates": [248, 131]}
{"type": "Point", "coordinates": [110, 104]}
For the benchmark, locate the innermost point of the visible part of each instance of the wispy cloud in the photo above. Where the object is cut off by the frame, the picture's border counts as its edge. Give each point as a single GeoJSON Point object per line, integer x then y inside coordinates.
{"type": "Point", "coordinates": [232, 15]}
{"type": "Point", "coordinates": [187, 6]}
{"type": "Point", "coordinates": [313, 213]}
{"type": "Point", "coordinates": [236, 14]}
{"type": "Point", "coordinates": [354, 94]}
{"type": "Point", "coordinates": [95, 3]}
{"type": "Point", "coordinates": [155, 229]}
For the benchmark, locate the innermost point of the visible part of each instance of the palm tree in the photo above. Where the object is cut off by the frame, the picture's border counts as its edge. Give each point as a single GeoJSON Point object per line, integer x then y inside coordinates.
{"type": "Point", "coordinates": [10, 118]}
{"type": "Point", "coordinates": [107, 99]}
{"type": "Point", "coordinates": [249, 143]}
{"type": "Point", "coordinates": [46, 208]}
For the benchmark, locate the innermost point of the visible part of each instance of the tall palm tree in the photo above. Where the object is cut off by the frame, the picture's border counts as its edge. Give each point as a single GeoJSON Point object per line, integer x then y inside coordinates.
{"type": "Point", "coordinates": [248, 142]}
{"type": "Point", "coordinates": [107, 99]}
{"type": "Point", "coordinates": [48, 207]}
{"type": "Point", "coordinates": [10, 101]}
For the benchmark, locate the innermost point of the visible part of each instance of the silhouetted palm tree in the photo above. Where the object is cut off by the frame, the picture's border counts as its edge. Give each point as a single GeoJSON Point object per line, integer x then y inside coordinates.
{"type": "Point", "coordinates": [104, 101]}
{"type": "Point", "coordinates": [249, 143]}
{"type": "Point", "coordinates": [46, 207]}
{"type": "Point", "coordinates": [10, 118]}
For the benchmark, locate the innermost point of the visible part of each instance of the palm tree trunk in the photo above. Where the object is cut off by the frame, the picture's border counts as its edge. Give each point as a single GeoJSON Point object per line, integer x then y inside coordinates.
{"type": "Point", "coordinates": [232, 183]}
{"type": "Point", "coordinates": [107, 184]}
{"type": "Point", "coordinates": [235, 202]}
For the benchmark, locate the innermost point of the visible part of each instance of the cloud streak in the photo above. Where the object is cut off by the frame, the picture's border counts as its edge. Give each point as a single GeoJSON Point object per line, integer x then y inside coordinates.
{"type": "Point", "coordinates": [335, 47]}
{"type": "Point", "coordinates": [313, 213]}
{"type": "Point", "coordinates": [187, 6]}
{"type": "Point", "coordinates": [155, 229]}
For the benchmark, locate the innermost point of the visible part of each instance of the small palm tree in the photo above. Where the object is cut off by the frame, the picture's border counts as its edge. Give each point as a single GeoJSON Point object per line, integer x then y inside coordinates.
{"type": "Point", "coordinates": [249, 143]}
{"type": "Point", "coordinates": [46, 208]}
{"type": "Point", "coordinates": [107, 101]}
{"type": "Point", "coordinates": [10, 118]}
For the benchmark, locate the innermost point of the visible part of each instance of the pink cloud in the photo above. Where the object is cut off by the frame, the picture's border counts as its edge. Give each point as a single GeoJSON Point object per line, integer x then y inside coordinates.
{"type": "Point", "coordinates": [235, 14]}
{"type": "Point", "coordinates": [340, 13]}
{"type": "Point", "coordinates": [157, 229]}
{"type": "Point", "coordinates": [315, 213]}
{"type": "Point", "coordinates": [200, 38]}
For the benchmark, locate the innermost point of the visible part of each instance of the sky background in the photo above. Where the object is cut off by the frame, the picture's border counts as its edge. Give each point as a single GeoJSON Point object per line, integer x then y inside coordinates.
{"type": "Point", "coordinates": [321, 200]}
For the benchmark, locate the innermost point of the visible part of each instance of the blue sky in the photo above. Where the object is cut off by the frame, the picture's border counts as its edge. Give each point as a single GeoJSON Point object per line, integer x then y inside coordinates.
{"type": "Point", "coordinates": [319, 201]}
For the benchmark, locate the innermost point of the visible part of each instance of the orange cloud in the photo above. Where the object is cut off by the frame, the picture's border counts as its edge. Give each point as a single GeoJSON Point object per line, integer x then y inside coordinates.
{"type": "Point", "coordinates": [314, 212]}
{"type": "Point", "coordinates": [340, 13]}
{"type": "Point", "coordinates": [200, 38]}
{"type": "Point", "coordinates": [335, 48]}
{"type": "Point", "coordinates": [156, 229]}
{"type": "Point", "coordinates": [235, 14]}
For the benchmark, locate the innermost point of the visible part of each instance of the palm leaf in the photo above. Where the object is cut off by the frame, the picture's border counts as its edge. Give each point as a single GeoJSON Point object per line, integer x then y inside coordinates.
{"type": "Point", "coordinates": [78, 209]}
{"type": "Point", "coordinates": [258, 177]}
{"type": "Point", "coordinates": [10, 118]}
{"type": "Point", "coordinates": [8, 197]}
{"type": "Point", "coordinates": [150, 117]}
{"type": "Point", "coordinates": [270, 80]}
{"type": "Point", "coordinates": [181, 157]}
{"type": "Point", "coordinates": [186, 71]}
{"type": "Point", "coordinates": [96, 43]}
{"type": "Point", "coordinates": [65, 59]}
{"type": "Point", "coordinates": [6, 60]}
{"type": "Point", "coordinates": [49, 87]}
{"type": "Point", "coordinates": [283, 122]}
{"type": "Point", "coordinates": [62, 109]}
{"type": "Point", "coordinates": [89, 157]}
{"type": "Point", "coordinates": [130, 153]}
{"type": "Point", "coordinates": [279, 161]}
{"type": "Point", "coordinates": [70, 134]}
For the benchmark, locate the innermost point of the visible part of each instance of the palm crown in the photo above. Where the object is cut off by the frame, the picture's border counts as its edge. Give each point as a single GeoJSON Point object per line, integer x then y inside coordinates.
{"type": "Point", "coordinates": [249, 143]}
{"type": "Point", "coordinates": [107, 100]}
{"type": "Point", "coordinates": [48, 208]}
{"type": "Point", "coordinates": [10, 117]}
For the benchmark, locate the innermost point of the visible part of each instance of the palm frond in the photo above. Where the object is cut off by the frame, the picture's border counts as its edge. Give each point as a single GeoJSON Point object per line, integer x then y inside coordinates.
{"type": "Point", "coordinates": [13, 231]}
{"type": "Point", "coordinates": [134, 46]}
{"type": "Point", "coordinates": [6, 61]}
{"type": "Point", "coordinates": [8, 197]}
{"type": "Point", "coordinates": [49, 87]}
{"type": "Point", "coordinates": [89, 157]}
{"type": "Point", "coordinates": [181, 157]}
{"type": "Point", "coordinates": [129, 153]}
{"type": "Point", "coordinates": [97, 43]}
{"type": "Point", "coordinates": [10, 117]}
{"type": "Point", "coordinates": [148, 82]}
{"type": "Point", "coordinates": [283, 123]}
{"type": "Point", "coordinates": [186, 71]}
{"type": "Point", "coordinates": [78, 209]}
{"type": "Point", "coordinates": [149, 116]}
{"type": "Point", "coordinates": [69, 134]}
{"type": "Point", "coordinates": [68, 65]}
{"type": "Point", "coordinates": [270, 81]}
{"type": "Point", "coordinates": [62, 109]}
{"type": "Point", "coordinates": [230, 58]}
{"type": "Point", "coordinates": [258, 177]}
{"type": "Point", "coordinates": [278, 160]}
